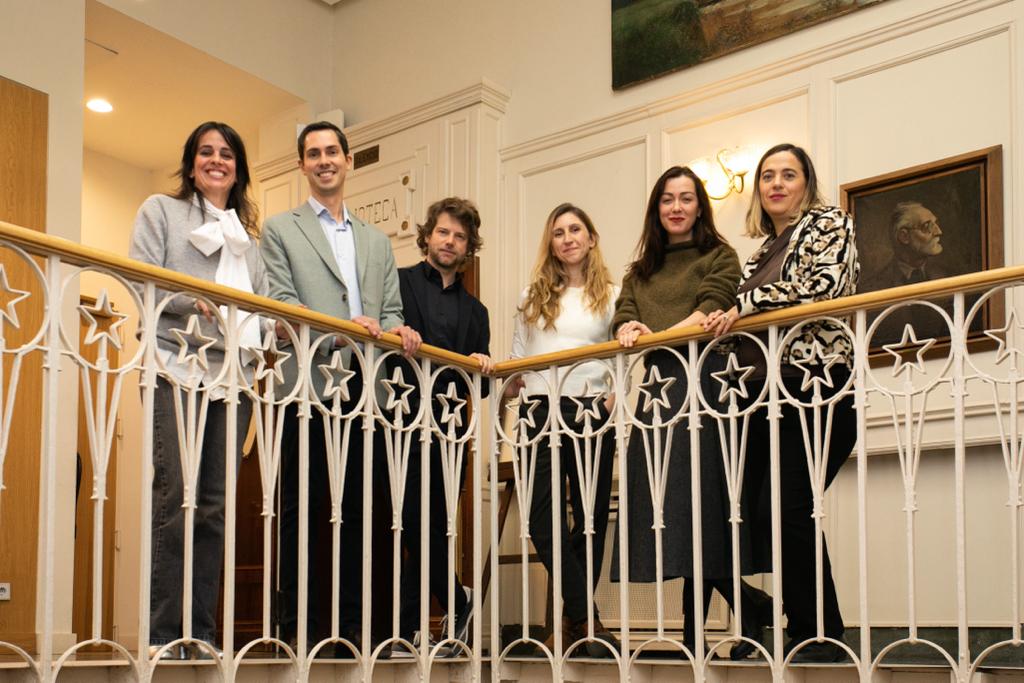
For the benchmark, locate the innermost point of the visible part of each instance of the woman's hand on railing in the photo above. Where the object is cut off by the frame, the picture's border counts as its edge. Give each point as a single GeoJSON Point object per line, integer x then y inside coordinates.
{"type": "Point", "coordinates": [695, 318]}
{"type": "Point", "coordinates": [629, 332]}
{"type": "Point", "coordinates": [486, 362]}
{"type": "Point", "coordinates": [719, 322]}
{"type": "Point", "coordinates": [204, 310]}
{"type": "Point", "coordinates": [513, 387]}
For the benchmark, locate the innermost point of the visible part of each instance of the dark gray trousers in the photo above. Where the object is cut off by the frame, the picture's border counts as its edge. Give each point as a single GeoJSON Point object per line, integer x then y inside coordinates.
{"type": "Point", "coordinates": [168, 518]}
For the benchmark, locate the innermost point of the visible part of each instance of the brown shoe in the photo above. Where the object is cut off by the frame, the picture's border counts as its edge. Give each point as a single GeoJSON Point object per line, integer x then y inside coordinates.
{"type": "Point", "coordinates": [576, 631]}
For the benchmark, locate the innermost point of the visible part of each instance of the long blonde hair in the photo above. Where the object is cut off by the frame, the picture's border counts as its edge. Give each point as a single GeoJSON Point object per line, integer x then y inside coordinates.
{"type": "Point", "coordinates": [543, 302]}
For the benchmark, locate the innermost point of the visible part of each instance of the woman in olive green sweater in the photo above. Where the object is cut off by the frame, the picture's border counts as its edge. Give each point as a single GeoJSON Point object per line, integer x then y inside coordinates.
{"type": "Point", "coordinates": [683, 270]}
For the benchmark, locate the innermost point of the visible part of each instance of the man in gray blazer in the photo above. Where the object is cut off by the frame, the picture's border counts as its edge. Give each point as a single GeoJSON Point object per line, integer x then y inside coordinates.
{"type": "Point", "coordinates": [321, 257]}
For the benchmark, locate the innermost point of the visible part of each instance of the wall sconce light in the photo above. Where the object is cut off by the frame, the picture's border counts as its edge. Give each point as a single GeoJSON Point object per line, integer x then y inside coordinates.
{"type": "Point", "coordinates": [724, 173]}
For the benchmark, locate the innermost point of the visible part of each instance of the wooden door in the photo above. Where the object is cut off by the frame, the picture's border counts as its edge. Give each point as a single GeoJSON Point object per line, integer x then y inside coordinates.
{"type": "Point", "coordinates": [23, 149]}
{"type": "Point", "coordinates": [249, 567]}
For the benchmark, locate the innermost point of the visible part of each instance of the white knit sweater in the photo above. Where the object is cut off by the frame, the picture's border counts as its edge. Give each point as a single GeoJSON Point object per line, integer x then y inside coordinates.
{"type": "Point", "coordinates": [576, 326]}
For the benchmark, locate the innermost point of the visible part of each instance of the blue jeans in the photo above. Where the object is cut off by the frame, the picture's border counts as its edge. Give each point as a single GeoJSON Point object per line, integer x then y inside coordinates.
{"type": "Point", "coordinates": [165, 619]}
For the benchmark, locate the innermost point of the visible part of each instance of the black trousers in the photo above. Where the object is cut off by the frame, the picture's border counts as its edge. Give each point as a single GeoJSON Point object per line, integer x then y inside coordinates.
{"type": "Point", "coordinates": [798, 537]}
{"type": "Point", "coordinates": [437, 534]}
{"type": "Point", "coordinates": [319, 516]}
{"type": "Point", "coordinates": [574, 540]}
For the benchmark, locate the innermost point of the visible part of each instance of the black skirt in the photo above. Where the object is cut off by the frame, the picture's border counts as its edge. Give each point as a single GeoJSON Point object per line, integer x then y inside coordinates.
{"type": "Point", "coordinates": [674, 441]}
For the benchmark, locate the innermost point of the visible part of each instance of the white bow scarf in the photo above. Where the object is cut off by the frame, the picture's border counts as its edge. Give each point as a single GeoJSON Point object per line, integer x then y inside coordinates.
{"type": "Point", "coordinates": [226, 233]}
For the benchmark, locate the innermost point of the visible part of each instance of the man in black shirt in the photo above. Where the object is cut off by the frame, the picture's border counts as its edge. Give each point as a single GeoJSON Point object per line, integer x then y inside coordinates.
{"type": "Point", "coordinates": [437, 305]}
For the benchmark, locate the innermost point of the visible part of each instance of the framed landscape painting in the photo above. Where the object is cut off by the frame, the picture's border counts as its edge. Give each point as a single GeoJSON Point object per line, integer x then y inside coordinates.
{"type": "Point", "coordinates": [653, 37]}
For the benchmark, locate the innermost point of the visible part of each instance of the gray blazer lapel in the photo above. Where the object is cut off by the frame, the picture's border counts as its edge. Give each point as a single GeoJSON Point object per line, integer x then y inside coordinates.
{"type": "Point", "coordinates": [360, 237]}
{"type": "Point", "coordinates": [310, 226]}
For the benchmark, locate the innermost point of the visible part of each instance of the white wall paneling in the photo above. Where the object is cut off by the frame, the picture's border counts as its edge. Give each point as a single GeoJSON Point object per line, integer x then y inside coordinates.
{"type": "Point", "coordinates": [390, 196]}
{"type": "Point", "coordinates": [880, 96]}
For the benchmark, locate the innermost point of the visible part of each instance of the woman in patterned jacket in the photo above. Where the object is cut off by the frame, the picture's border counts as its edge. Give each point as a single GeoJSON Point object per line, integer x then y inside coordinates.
{"type": "Point", "coordinates": [809, 254]}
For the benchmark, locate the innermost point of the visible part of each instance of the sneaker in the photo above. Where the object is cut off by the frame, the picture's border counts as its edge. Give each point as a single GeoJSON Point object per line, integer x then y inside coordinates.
{"type": "Point", "coordinates": [462, 620]}
{"type": "Point", "coordinates": [173, 653]}
{"type": "Point", "coordinates": [198, 652]}
{"type": "Point", "coordinates": [396, 651]}
{"type": "Point", "coordinates": [402, 652]}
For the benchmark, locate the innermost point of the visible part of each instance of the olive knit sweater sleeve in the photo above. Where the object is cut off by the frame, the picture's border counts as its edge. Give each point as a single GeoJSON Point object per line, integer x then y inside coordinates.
{"type": "Point", "coordinates": [625, 306]}
{"type": "Point", "coordinates": [717, 289]}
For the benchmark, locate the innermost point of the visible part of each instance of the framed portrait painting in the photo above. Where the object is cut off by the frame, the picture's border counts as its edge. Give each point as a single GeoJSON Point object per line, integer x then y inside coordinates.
{"type": "Point", "coordinates": [924, 223]}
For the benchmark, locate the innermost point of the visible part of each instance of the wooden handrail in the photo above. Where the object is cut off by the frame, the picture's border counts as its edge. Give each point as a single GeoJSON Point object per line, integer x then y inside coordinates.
{"type": "Point", "coordinates": [783, 316]}
{"type": "Point", "coordinates": [36, 242]}
{"type": "Point", "coordinates": [72, 252]}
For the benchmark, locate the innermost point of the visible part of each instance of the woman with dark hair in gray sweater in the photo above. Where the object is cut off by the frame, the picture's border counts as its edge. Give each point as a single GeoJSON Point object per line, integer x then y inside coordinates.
{"type": "Point", "coordinates": [206, 229]}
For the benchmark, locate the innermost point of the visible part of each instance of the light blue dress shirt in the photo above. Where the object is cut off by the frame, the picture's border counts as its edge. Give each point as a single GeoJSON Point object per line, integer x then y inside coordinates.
{"type": "Point", "coordinates": [343, 244]}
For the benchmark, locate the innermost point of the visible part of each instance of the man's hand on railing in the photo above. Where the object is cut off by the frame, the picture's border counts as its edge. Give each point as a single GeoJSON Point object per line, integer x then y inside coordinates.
{"type": "Point", "coordinates": [411, 339]}
{"type": "Point", "coordinates": [371, 325]}
{"type": "Point", "coordinates": [629, 332]}
{"type": "Point", "coordinates": [280, 329]}
{"type": "Point", "coordinates": [486, 363]}
{"type": "Point", "coordinates": [720, 321]}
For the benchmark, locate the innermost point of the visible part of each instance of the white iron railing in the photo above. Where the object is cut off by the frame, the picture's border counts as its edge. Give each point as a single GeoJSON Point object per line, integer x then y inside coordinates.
{"type": "Point", "coordinates": [892, 394]}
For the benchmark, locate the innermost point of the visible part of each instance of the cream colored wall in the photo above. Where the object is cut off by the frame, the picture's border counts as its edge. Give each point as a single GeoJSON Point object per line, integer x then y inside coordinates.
{"type": "Point", "coordinates": [111, 194]}
{"type": "Point", "coordinates": [26, 25]}
{"type": "Point", "coordinates": [882, 89]}
{"type": "Point", "coordinates": [284, 43]}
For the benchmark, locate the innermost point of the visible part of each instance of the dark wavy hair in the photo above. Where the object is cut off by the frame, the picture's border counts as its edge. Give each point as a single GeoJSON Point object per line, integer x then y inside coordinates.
{"type": "Point", "coordinates": [238, 197]}
{"type": "Point", "coordinates": [650, 251]}
{"type": "Point", "coordinates": [463, 211]}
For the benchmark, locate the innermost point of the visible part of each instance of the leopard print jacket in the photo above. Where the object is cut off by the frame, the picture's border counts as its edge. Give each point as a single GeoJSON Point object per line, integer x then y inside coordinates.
{"type": "Point", "coordinates": [820, 264]}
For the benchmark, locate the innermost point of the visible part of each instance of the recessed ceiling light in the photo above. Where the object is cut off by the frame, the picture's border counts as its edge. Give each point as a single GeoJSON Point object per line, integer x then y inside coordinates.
{"type": "Point", "coordinates": [100, 105]}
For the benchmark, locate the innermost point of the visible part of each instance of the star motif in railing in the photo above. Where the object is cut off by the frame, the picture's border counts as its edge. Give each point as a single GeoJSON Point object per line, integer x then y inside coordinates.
{"type": "Point", "coordinates": [104, 309]}
{"type": "Point", "coordinates": [337, 376]}
{"type": "Point", "coordinates": [451, 407]}
{"type": "Point", "coordinates": [816, 372]}
{"type": "Point", "coordinates": [659, 384]}
{"type": "Point", "coordinates": [733, 379]}
{"type": "Point", "coordinates": [587, 405]}
{"type": "Point", "coordinates": [527, 405]}
{"type": "Point", "coordinates": [1002, 334]}
{"type": "Point", "coordinates": [907, 343]}
{"type": "Point", "coordinates": [194, 334]}
{"type": "Point", "coordinates": [10, 298]}
{"type": "Point", "coordinates": [398, 392]}
{"type": "Point", "coordinates": [270, 359]}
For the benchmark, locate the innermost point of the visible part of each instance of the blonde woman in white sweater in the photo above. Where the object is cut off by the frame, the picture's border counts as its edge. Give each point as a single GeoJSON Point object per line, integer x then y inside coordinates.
{"type": "Point", "coordinates": [569, 304]}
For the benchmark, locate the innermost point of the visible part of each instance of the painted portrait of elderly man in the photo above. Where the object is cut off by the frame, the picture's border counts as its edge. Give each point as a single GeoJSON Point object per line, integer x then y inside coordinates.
{"type": "Point", "coordinates": [923, 224]}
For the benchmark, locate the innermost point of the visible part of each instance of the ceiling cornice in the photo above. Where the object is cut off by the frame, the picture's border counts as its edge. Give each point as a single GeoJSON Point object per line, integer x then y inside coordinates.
{"type": "Point", "coordinates": [485, 92]}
